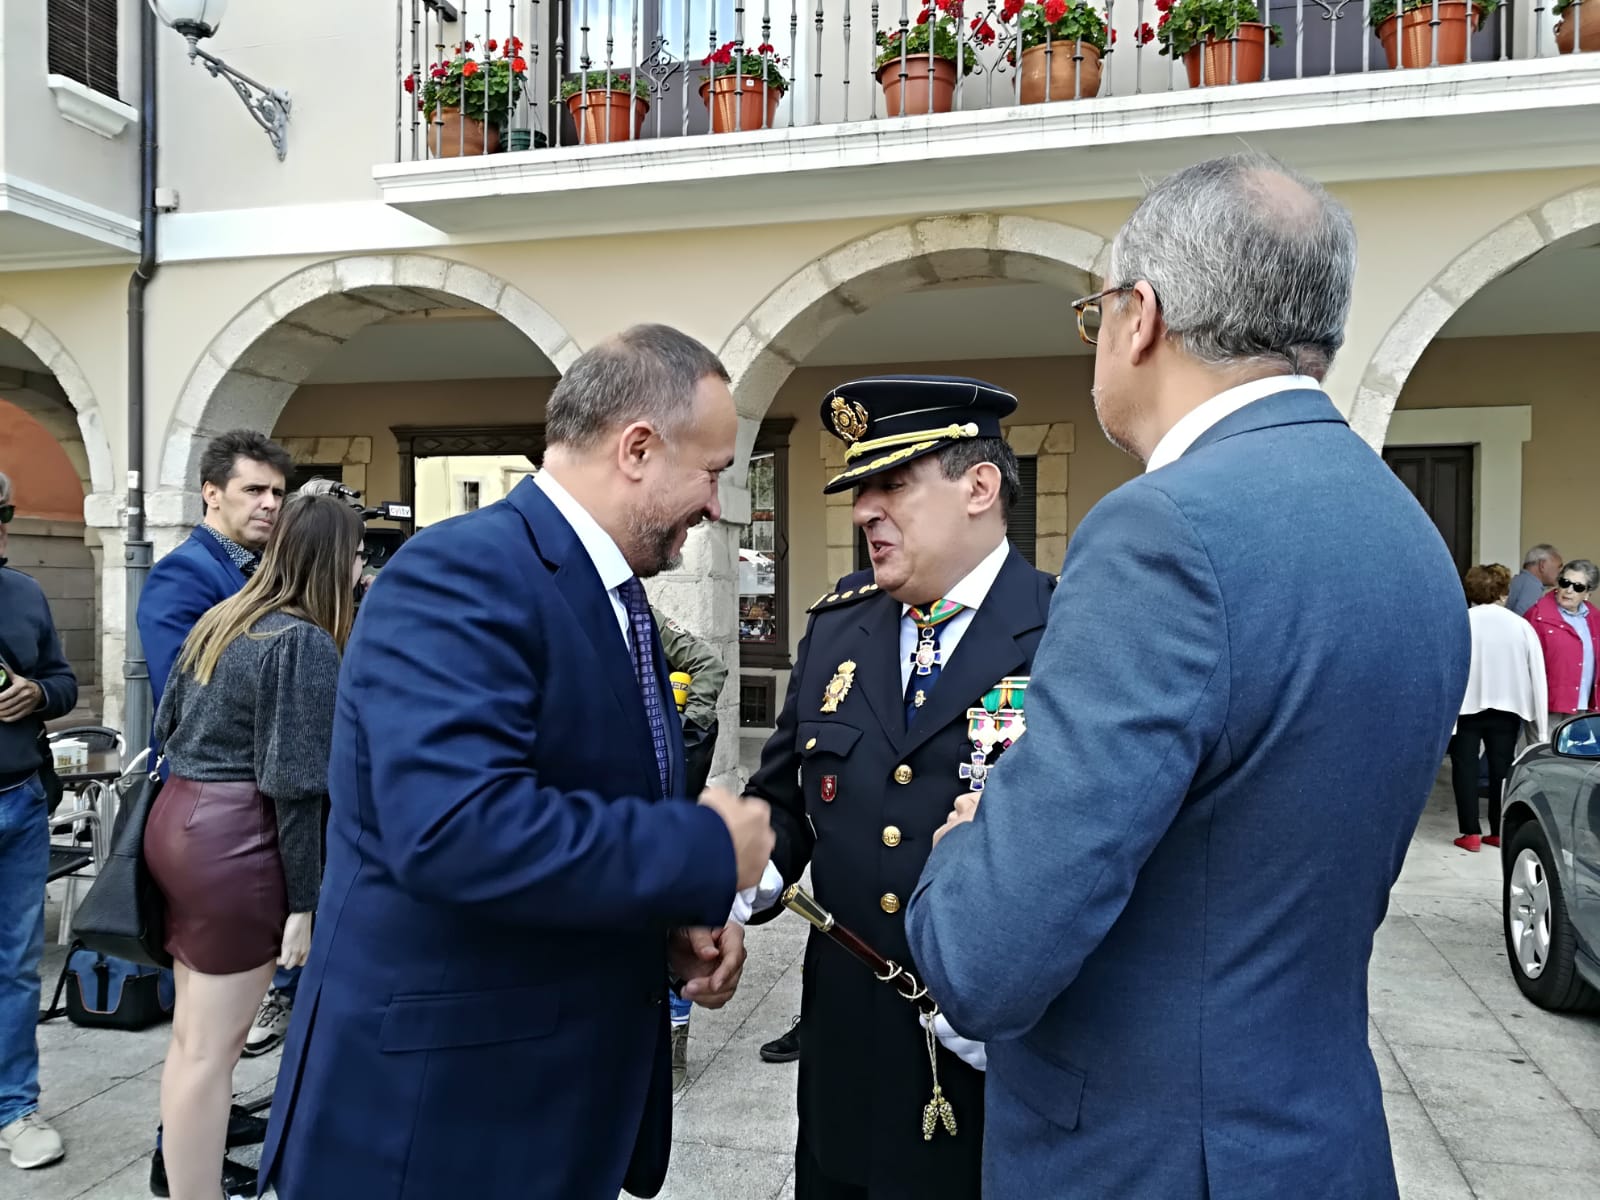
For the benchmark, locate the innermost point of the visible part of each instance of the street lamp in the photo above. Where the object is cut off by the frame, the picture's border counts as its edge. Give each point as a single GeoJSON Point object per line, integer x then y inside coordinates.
{"type": "Point", "coordinates": [197, 19]}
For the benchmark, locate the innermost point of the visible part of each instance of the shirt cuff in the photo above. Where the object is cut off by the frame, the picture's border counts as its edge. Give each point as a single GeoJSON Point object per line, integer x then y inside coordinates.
{"type": "Point", "coordinates": [753, 900]}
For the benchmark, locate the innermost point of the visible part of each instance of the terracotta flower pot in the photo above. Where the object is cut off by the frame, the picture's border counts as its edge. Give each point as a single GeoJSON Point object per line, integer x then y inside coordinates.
{"type": "Point", "coordinates": [452, 135]}
{"type": "Point", "coordinates": [739, 110]}
{"type": "Point", "coordinates": [1572, 24]}
{"type": "Point", "coordinates": [1416, 35]}
{"type": "Point", "coordinates": [913, 85]}
{"type": "Point", "coordinates": [1070, 70]}
{"type": "Point", "coordinates": [1219, 61]}
{"type": "Point", "coordinates": [603, 116]}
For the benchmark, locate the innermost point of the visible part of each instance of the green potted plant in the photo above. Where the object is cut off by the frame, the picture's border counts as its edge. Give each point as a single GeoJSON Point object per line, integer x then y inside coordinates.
{"type": "Point", "coordinates": [743, 87]}
{"type": "Point", "coordinates": [468, 100]}
{"type": "Point", "coordinates": [1423, 36]}
{"type": "Point", "coordinates": [1062, 43]}
{"type": "Point", "coordinates": [1220, 41]}
{"type": "Point", "coordinates": [606, 106]}
{"type": "Point", "coordinates": [1578, 31]}
{"type": "Point", "coordinates": [916, 64]}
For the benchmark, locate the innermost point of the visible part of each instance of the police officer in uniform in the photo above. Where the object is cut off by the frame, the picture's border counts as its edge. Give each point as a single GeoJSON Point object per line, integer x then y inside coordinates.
{"type": "Point", "coordinates": [872, 748]}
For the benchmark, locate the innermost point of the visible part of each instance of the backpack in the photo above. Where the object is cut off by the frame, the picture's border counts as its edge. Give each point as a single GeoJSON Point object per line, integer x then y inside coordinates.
{"type": "Point", "coordinates": [111, 993]}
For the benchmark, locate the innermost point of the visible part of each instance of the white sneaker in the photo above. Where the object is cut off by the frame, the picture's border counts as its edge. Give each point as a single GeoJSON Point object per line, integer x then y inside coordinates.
{"type": "Point", "coordinates": [32, 1142]}
{"type": "Point", "coordinates": [271, 1025]}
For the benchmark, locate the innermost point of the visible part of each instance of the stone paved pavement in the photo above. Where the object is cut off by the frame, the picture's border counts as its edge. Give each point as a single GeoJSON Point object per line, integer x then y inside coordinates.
{"type": "Point", "coordinates": [1487, 1096]}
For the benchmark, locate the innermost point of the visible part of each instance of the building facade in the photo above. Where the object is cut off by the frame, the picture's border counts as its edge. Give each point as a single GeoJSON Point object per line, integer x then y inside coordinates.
{"type": "Point", "coordinates": [396, 295]}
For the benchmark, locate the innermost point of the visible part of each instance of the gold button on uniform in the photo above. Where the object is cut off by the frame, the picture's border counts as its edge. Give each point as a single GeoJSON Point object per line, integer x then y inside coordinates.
{"type": "Point", "coordinates": [811, 744]}
{"type": "Point", "coordinates": [902, 774]}
{"type": "Point", "coordinates": [890, 903]}
{"type": "Point", "coordinates": [891, 835]}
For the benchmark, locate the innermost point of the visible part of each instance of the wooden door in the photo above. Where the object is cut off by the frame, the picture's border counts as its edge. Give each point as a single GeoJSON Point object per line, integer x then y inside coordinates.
{"type": "Point", "coordinates": [1440, 477]}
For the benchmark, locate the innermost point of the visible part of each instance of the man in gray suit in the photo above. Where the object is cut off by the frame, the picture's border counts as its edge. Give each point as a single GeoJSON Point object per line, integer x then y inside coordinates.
{"type": "Point", "coordinates": [1159, 917]}
{"type": "Point", "coordinates": [1541, 566]}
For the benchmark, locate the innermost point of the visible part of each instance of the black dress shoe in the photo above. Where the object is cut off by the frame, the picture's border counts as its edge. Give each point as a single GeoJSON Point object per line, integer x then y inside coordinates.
{"type": "Point", "coordinates": [236, 1177]}
{"type": "Point", "coordinates": [245, 1129]}
{"type": "Point", "coordinates": [785, 1048]}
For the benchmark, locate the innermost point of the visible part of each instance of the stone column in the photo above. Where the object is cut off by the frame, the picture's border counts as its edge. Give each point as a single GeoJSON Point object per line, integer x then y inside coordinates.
{"type": "Point", "coordinates": [102, 515]}
{"type": "Point", "coordinates": [837, 525]}
{"type": "Point", "coordinates": [1052, 446]}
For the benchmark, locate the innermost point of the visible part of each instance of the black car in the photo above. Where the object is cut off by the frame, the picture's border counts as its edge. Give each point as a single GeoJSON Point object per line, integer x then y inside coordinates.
{"type": "Point", "coordinates": [1550, 855]}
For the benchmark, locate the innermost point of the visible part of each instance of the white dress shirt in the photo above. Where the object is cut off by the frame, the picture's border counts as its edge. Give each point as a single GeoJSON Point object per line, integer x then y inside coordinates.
{"type": "Point", "coordinates": [971, 592]}
{"type": "Point", "coordinates": [602, 550]}
{"type": "Point", "coordinates": [1224, 404]}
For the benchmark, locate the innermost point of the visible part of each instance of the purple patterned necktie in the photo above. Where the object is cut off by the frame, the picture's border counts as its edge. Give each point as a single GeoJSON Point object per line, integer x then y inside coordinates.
{"type": "Point", "coordinates": [641, 644]}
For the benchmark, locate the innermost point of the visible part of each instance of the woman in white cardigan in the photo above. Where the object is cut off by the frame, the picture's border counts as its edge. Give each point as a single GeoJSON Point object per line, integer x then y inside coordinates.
{"type": "Point", "coordinates": [1505, 687]}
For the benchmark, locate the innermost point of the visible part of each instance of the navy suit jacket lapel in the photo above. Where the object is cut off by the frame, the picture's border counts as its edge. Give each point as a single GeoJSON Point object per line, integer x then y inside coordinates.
{"type": "Point", "coordinates": [1299, 406]}
{"type": "Point", "coordinates": [579, 583]}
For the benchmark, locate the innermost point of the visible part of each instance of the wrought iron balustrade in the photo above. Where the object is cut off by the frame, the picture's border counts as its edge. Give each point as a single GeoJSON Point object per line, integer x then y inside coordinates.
{"type": "Point", "coordinates": [487, 76]}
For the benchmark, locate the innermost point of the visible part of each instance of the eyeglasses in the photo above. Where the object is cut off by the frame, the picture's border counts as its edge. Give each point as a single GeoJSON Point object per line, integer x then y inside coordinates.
{"type": "Point", "coordinates": [1088, 310]}
{"type": "Point", "coordinates": [7, 512]}
{"type": "Point", "coordinates": [1572, 585]}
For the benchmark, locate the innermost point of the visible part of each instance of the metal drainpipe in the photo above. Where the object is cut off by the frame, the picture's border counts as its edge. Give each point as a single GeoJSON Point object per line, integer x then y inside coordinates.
{"type": "Point", "coordinates": [137, 716]}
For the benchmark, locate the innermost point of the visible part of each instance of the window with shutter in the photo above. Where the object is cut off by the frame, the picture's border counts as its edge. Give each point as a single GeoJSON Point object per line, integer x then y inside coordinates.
{"type": "Point", "coordinates": [83, 42]}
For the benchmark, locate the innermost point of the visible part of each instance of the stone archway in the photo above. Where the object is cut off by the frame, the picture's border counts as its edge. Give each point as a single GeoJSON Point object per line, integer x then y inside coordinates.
{"type": "Point", "coordinates": [1468, 273]}
{"type": "Point", "coordinates": [254, 365]}
{"type": "Point", "coordinates": [61, 401]}
{"type": "Point", "coordinates": [798, 314]}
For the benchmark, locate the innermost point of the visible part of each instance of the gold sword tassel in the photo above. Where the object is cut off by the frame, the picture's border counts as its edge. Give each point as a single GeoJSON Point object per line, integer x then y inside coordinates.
{"type": "Point", "coordinates": [937, 1111]}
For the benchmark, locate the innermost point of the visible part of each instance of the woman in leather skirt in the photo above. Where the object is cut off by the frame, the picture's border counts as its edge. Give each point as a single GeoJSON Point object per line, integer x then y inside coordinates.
{"type": "Point", "coordinates": [234, 840]}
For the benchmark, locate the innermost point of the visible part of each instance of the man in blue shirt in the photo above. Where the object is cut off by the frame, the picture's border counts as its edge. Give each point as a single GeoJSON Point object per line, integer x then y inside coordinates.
{"type": "Point", "coordinates": [1541, 565]}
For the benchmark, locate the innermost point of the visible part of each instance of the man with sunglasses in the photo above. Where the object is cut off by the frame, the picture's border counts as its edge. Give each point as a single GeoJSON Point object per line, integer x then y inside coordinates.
{"type": "Point", "coordinates": [36, 685]}
{"type": "Point", "coordinates": [1159, 915]}
{"type": "Point", "coordinates": [1568, 626]}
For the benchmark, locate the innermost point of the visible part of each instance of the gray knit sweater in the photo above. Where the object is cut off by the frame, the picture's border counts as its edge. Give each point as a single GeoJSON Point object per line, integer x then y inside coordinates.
{"type": "Point", "coordinates": [267, 716]}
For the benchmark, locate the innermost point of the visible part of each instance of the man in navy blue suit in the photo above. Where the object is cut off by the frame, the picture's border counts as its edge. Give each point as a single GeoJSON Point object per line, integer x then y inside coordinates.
{"type": "Point", "coordinates": [513, 868]}
{"type": "Point", "coordinates": [242, 480]}
{"type": "Point", "coordinates": [1160, 916]}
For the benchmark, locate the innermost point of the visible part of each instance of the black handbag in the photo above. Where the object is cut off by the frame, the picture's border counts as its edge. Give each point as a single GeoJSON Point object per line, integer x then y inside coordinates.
{"type": "Point", "coordinates": [122, 914]}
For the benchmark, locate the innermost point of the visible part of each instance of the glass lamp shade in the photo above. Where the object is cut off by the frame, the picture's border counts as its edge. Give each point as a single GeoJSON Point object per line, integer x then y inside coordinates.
{"type": "Point", "coordinates": [197, 18]}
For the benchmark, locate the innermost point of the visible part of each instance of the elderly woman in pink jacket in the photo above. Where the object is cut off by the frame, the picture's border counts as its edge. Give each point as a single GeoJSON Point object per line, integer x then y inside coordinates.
{"type": "Point", "coordinates": [1569, 634]}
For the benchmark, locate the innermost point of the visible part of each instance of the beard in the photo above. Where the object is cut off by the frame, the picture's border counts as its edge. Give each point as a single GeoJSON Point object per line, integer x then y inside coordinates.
{"type": "Point", "coordinates": [1117, 426]}
{"type": "Point", "coordinates": [651, 534]}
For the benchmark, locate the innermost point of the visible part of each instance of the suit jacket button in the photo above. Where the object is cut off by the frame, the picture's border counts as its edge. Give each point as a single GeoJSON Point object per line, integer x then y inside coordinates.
{"type": "Point", "coordinates": [902, 774]}
{"type": "Point", "coordinates": [891, 835]}
{"type": "Point", "coordinates": [890, 903]}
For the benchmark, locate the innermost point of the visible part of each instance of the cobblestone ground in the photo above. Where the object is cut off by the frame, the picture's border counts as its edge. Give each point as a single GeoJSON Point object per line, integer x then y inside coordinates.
{"type": "Point", "coordinates": [1487, 1096]}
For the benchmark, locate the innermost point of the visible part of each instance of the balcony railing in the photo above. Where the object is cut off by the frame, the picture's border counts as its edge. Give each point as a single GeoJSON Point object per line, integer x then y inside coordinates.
{"type": "Point", "coordinates": [508, 75]}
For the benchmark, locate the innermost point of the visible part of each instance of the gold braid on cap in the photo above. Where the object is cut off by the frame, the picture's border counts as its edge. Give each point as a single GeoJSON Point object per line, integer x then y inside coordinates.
{"type": "Point", "coordinates": [969, 430]}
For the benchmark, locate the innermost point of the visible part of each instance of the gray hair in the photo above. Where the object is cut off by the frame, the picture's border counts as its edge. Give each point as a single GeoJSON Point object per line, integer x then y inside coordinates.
{"type": "Point", "coordinates": [1251, 263]}
{"type": "Point", "coordinates": [956, 459]}
{"type": "Point", "coordinates": [648, 372]}
{"type": "Point", "coordinates": [1591, 573]}
{"type": "Point", "coordinates": [1537, 554]}
{"type": "Point", "coordinates": [5, 486]}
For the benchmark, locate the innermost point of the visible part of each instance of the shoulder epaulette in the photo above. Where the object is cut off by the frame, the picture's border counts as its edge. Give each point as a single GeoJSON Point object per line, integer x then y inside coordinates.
{"type": "Point", "coordinates": [849, 595]}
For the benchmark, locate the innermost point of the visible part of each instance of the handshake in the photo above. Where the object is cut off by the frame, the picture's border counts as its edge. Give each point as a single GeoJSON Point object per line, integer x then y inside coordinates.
{"type": "Point", "coordinates": [749, 823]}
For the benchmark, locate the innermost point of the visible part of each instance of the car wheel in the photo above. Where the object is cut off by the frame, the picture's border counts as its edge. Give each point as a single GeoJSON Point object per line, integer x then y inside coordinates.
{"type": "Point", "coordinates": [1540, 940]}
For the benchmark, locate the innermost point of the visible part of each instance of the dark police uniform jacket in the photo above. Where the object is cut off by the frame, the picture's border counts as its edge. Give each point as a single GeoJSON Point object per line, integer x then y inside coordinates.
{"type": "Point", "coordinates": [858, 796]}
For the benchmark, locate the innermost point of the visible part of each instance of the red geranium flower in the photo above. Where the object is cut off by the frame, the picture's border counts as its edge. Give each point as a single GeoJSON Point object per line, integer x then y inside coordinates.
{"type": "Point", "coordinates": [410, 83]}
{"type": "Point", "coordinates": [922, 17]}
{"type": "Point", "coordinates": [1146, 34]}
{"type": "Point", "coordinates": [1054, 10]}
{"type": "Point", "coordinates": [469, 67]}
{"type": "Point", "coordinates": [519, 64]}
{"type": "Point", "coordinates": [492, 45]}
{"type": "Point", "coordinates": [1163, 5]}
{"type": "Point", "coordinates": [766, 48]}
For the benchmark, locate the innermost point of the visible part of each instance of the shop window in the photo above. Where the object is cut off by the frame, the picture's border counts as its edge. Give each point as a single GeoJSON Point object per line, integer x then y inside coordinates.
{"type": "Point", "coordinates": [764, 552]}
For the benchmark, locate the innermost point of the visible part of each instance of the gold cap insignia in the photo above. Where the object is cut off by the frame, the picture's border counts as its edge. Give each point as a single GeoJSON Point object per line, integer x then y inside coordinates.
{"type": "Point", "coordinates": [849, 418]}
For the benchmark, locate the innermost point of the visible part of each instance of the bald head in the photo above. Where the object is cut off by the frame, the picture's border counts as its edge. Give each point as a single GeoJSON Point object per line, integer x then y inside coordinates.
{"type": "Point", "coordinates": [1252, 263]}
